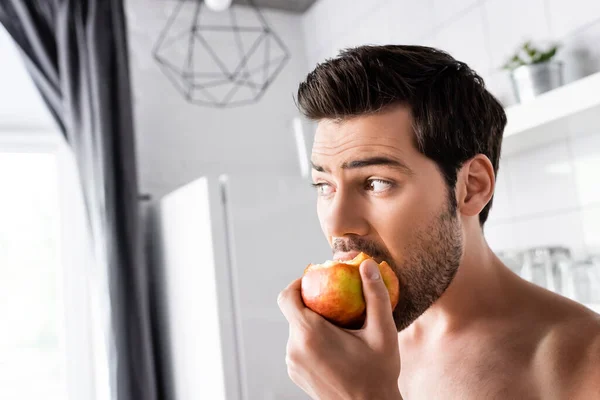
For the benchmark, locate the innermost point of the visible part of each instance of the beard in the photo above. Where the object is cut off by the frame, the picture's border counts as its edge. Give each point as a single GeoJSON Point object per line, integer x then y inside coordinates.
{"type": "Point", "coordinates": [429, 264]}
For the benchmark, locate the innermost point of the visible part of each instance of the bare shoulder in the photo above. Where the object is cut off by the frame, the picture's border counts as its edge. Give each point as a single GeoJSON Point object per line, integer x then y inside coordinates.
{"type": "Point", "coordinates": [567, 358]}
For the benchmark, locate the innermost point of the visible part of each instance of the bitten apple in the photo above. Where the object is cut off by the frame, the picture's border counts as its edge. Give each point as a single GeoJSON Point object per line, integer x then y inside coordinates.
{"type": "Point", "coordinates": [334, 290]}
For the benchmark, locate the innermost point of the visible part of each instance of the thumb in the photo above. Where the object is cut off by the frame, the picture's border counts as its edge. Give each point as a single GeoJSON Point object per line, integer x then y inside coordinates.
{"type": "Point", "coordinates": [380, 320]}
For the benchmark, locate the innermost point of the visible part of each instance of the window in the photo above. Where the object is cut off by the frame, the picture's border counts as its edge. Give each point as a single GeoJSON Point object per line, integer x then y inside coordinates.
{"type": "Point", "coordinates": [54, 308]}
{"type": "Point", "coordinates": [46, 349]}
{"type": "Point", "coordinates": [32, 351]}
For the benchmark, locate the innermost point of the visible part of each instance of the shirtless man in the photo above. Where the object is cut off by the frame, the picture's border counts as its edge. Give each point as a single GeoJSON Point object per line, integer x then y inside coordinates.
{"type": "Point", "coordinates": [404, 161]}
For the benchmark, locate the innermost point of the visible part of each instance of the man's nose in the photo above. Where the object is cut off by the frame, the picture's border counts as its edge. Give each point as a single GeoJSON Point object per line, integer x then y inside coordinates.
{"type": "Point", "coordinates": [344, 216]}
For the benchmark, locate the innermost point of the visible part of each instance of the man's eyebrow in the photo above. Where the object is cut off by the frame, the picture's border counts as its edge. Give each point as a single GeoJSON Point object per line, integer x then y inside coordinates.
{"type": "Point", "coordinates": [316, 167]}
{"type": "Point", "coordinates": [367, 162]}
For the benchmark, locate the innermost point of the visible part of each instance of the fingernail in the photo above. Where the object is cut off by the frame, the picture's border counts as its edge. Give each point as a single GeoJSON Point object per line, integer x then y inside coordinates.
{"type": "Point", "coordinates": [372, 270]}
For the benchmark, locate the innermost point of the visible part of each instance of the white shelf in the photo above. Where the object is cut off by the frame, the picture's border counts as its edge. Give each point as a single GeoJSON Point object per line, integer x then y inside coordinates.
{"type": "Point", "coordinates": [571, 110]}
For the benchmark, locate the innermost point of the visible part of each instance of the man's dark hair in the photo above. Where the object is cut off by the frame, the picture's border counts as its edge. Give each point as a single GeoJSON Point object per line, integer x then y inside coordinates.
{"type": "Point", "coordinates": [454, 116]}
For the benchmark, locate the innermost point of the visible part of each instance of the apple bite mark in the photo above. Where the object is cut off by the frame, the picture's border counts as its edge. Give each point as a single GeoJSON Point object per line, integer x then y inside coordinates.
{"type": "Point", "coordinates": [333, 289]}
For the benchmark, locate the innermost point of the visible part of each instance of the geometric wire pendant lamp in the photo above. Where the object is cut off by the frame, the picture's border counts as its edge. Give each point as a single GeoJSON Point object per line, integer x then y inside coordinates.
{"type": "Point", "coordinates": [219, 59]}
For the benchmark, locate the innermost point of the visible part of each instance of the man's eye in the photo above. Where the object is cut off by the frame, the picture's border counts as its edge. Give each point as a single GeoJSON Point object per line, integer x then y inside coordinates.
{"type": "Point", "coordinates": [323, 189]}
{"type": "Point", "coordinates": [378, 185]}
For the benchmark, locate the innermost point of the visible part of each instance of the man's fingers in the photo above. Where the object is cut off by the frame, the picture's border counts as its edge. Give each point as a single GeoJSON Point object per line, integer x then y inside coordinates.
{"type": "Point", "coordinates": [380, 321]}
{"type": "Point", "coordinates": [290, 302]}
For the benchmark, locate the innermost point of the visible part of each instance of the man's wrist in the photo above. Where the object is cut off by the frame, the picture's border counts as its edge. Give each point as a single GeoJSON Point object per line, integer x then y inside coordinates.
{"type": "Point", "coordinates": [391, 394]}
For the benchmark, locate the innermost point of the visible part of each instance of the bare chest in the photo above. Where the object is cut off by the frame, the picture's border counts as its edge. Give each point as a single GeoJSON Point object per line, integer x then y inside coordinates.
{"type": "Point", "coordinates": [468, 373]}
{"type": "Point", "coordinates": [464, 382]}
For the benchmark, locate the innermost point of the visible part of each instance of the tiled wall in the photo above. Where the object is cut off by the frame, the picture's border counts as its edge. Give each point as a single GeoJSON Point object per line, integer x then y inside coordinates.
{"type": "Point", "coordinates": [482, 33]}
{"type": "Point", "coordinates": [549, 196]}
{"type": "Point", "coordinates": [546, 196]}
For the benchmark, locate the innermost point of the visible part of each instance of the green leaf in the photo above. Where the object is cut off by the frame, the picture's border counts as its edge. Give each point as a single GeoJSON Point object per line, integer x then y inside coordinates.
{"type": "Point", "coordinates": [531, 55]}
{"type": "Point", "coordinates": [530, 50]}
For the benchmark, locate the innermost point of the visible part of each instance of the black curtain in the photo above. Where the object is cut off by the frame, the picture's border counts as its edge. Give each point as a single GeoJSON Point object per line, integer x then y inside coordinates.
{"type": "Point", "coordinates": [76, 53]}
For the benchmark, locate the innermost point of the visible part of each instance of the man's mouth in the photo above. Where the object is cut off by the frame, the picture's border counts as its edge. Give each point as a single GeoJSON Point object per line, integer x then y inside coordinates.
{"type": "Point", "coordinates": [345, 255]}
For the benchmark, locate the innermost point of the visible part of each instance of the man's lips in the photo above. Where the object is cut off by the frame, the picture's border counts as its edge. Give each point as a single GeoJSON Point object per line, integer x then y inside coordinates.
{"type": "Point", "coordinates": [345, 255]}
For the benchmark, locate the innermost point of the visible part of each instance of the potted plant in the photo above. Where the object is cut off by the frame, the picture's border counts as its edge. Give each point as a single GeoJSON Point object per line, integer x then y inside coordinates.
{"type": "Point", "coordinates": [534, 70]}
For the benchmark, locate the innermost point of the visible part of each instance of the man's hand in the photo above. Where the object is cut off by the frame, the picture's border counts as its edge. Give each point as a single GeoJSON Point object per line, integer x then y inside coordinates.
{"type": "Point", "coordinates": [332, 363]}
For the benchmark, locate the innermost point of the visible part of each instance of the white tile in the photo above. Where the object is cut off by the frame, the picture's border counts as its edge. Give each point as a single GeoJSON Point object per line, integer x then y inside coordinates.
{"type": "Point", "coordinates": [373, 30]}
{"type": "Point", "coordinates": [591, 228]}
{"type": "Point", "coordinates": [335, 16]}
{"type": "Point", "coordinates": [378, 26]}
{"type": "Point", "coordinates": [510, 23]}
{"type": "Point", "coordinates": [431, 39]}
{"type": "Point", "coordinates": [500, 236]}
{"type": "Point", "coordinates": [586, 155]}
{"type": "Point", "coordinates": [310, 20]}
{"type": "Point", "coordinates": [554, 230]}
{"type": "Point", "coordinates": [331, 50]}
{"type": "Point", "coordinates": [312, 59]}
{"type": "Point", "coordinates": [321, 23]}
{"type": "Point", "coordinates": [328, 50]}
{"type": "Point", "coordinates": [331, 25]}
{"type": "Point", "coordinates": [409, 20]}
{"type": "Point", "coordinates": [340, 17]}
{"type": "Point", "coordinates": [542, 180]}
{"type": "Point", "coordinates": [444, 10]}
{"type": "Point", "coordinates": [464, 39]}
{"type": "Point", "coordinates": [499, 84]}
{"type": "Point", "coordinates": [502, 208]}
{"type": "Point", "coordinates": [568, 16]}
{"type": "Point", "coordinates": [580, 53]}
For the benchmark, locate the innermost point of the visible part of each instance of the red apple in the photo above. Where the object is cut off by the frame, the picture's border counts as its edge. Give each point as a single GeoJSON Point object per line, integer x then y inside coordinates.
{"type": "Point", "coordinates": [334, 290]}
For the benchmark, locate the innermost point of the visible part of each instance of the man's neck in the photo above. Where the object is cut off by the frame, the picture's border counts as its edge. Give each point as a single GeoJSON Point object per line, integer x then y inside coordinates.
{"type": "Point", "coordinates": [480, 288]}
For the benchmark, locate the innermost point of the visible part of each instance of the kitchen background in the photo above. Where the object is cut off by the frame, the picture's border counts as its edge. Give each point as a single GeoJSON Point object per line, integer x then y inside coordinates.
{"type": "Point", "coordinates": [546, 195]}
{"type": "Point", "coordinates": [547, 190]}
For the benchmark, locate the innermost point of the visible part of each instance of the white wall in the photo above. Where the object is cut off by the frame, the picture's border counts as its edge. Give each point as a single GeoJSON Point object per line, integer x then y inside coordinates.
{"type": "Point", "coordinates": [483, 33]}
{"type": "Point", "coordinates": [178, 142]}
{"type": "Point", "coordinates": [549, 196]}
{"type": "Point", "coordinates": [546, 196]}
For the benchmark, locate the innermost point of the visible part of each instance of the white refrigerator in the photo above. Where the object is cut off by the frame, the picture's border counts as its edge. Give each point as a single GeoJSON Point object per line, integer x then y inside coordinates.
{"type": "Point", "coordinates": [224, 248]}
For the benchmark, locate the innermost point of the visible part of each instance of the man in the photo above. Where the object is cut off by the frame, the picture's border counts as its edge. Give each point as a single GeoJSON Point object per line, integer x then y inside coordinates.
{"type": "Point", "coordinates": [405, 159]}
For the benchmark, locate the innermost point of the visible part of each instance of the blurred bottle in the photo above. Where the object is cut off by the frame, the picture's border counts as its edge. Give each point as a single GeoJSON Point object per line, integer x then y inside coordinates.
{"type": "Point", "coordinates": [549, 267]}
{"type": "Point", "coordinates": [586, 280]}
{"type": "Point", "coordinates": [513, 259]}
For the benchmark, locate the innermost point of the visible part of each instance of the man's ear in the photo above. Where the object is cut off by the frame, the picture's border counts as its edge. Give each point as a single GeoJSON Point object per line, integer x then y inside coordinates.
{"type": "Point", "coordinates": [475, 185]}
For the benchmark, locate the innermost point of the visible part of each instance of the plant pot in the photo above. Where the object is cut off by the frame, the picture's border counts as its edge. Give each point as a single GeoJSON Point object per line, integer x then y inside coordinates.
{"type": "Point", "coordinates": [529, 81]}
